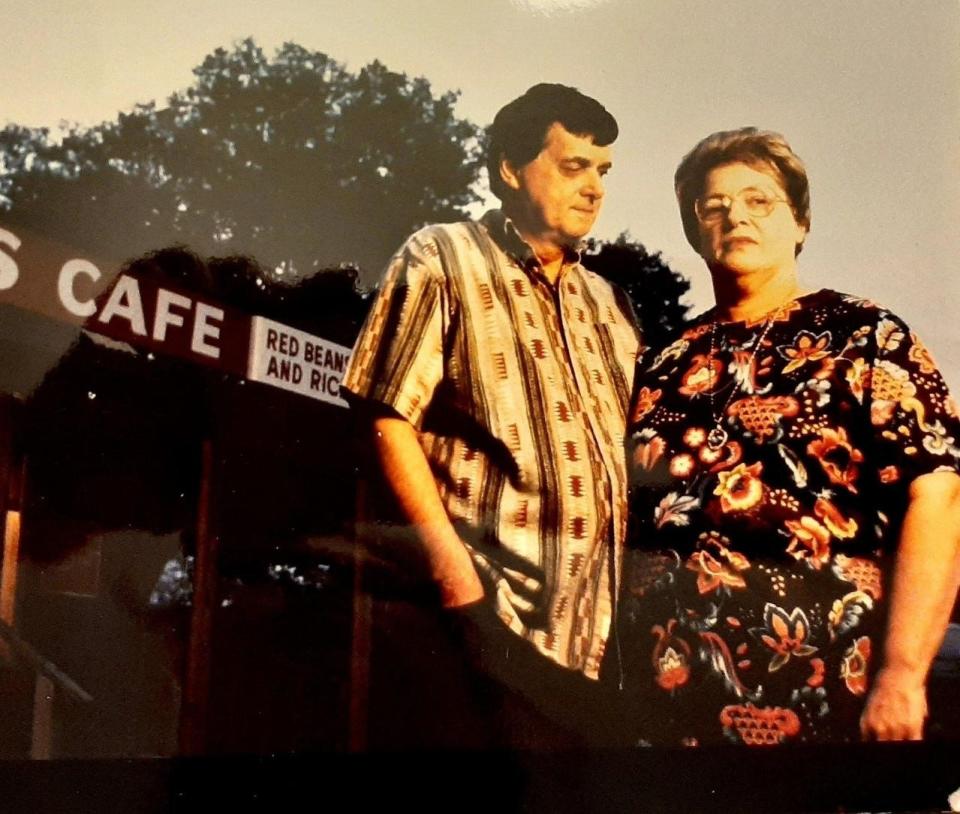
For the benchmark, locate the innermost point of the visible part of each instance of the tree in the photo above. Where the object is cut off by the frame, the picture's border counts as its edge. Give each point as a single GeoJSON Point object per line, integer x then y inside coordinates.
{"type": "Point", "coordinates": [295, 166]}
{"type": "Point", "coordinates": [653, 287]}
{"type": "Point", "coordinates": [294, 160]}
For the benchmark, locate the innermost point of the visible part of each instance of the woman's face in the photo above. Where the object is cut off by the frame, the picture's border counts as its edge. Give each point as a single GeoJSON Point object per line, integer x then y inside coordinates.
{"type": "Point", "coordinates": [734, 232]}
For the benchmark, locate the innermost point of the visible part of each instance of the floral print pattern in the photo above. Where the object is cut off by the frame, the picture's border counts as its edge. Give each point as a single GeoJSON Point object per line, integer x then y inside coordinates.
{"type": "Point", "coordinates": [754, 587]}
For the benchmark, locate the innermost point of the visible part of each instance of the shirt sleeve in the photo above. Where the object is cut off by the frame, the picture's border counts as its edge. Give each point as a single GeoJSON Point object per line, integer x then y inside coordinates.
{"type": "Point", "coordinates": [914, 418]}
{"type": "Point", "coordinates": [398, 357]}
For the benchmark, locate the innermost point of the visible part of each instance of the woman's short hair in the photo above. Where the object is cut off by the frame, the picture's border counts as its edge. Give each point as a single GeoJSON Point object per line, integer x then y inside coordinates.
{"type": "Point", "coordinates": [519, 130]}
{"type": "Point", "coordinates": [761, 149]}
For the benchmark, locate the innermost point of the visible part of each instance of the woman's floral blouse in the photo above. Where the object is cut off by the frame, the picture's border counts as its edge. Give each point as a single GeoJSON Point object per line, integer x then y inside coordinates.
{"type": "Point", "coordinates": [755, 585]}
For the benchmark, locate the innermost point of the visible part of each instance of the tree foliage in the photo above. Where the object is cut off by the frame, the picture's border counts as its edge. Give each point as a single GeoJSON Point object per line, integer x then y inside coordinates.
{"type": "Point", "coordinates": [653, 287]}
{"type": "Point", "coordinates": [304, 175]}
{"type": "Point", "coordinates": [293, 160]}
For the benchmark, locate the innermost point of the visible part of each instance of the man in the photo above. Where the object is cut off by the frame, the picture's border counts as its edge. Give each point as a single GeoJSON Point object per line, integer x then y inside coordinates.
{"type": "Point", "coordinates": [500, 371]}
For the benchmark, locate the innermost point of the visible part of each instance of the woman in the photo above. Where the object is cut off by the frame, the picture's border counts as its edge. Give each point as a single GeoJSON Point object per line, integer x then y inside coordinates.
{"type": "Point", "coordinates": [795, 505]}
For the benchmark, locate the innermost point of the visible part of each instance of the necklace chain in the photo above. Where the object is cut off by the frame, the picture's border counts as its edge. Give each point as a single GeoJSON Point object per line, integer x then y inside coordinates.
{"type": "Point", "coordinates": [717, 436]}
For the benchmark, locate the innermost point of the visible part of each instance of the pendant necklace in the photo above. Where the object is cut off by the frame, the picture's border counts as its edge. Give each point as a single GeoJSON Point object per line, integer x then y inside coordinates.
{"type": "Point", "coordinates": [718, 436]}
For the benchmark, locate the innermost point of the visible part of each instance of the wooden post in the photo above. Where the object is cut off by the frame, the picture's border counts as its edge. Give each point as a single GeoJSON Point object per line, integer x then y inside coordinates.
{"type": "Point", "coordinates": [11, 567]}
{"type": "Point", "coordinates": [12, 474]}
{"type": "Point", "coordinates": [360, 647]}
{"type": "Point", "coordinates": [196, 696]}
{"type": "Point", "coordinates": [41, 739]}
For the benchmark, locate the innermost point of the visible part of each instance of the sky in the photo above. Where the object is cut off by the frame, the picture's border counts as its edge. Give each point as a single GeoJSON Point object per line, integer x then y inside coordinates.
{"type": "Point", "coordinates": [866, 91]}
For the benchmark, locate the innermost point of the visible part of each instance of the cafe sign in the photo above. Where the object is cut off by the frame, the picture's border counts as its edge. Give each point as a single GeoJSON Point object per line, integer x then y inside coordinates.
{"type": "Point", "coordinates": [168, 319]}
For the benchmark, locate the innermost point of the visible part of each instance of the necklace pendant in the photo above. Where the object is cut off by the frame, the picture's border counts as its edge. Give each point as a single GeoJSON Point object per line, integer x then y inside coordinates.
{"type": "Point", "coordinates": [716, 438]}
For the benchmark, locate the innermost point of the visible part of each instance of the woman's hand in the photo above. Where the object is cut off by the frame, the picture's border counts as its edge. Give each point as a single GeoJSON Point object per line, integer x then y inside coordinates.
{"type": "Point", "coordinates": [925, 579]}
{"type": "Point", "coordinates": [896, 707]}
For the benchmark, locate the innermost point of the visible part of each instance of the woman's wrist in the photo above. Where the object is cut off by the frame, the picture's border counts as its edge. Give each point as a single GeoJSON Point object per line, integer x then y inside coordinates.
{"type": "Point", "coordinates": [902, 673]}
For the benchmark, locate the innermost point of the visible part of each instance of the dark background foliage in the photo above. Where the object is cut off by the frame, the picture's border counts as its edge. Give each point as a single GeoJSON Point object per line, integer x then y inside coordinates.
{"type": "Point", "coordinates": [306, 176]}
{"type": "Point", "coordinates": [654, 288]}
{"type": "Point", "coordinates": [293, 160]}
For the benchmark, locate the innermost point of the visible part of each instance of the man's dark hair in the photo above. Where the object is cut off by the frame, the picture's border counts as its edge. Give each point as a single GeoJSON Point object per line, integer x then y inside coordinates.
{"type": "Point", "coordinates": [519, 130]}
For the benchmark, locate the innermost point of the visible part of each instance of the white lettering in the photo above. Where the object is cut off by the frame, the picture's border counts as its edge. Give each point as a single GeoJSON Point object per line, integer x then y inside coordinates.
{"type": "Point", "coordinates": [65, 283]}
{"type": "Point", "coordinates": [165, 316]}
{"type": "Point", "coordinates": [203, 329]}
{"type": "Point", "coordinates": [9, 272]}
{"type": "Point", "coordinates": [124, 301]}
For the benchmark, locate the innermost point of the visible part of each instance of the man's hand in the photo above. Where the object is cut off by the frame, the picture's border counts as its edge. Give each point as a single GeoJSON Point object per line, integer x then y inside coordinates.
{"type": "Point", "coordinates": [896, 707]}
{"type": "Point", "coordinates": [459, 588]}
{"type": "Point", "coordinates": [407, 473]}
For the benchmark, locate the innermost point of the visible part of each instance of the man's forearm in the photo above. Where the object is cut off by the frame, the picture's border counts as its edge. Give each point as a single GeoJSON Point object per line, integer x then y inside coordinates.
{"type": "Point", "coordinates": [408, 475]}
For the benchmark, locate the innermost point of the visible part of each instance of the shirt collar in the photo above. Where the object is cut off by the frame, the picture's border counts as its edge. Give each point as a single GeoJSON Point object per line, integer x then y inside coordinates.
{"type": "Point", "coordinates": [505, 235]}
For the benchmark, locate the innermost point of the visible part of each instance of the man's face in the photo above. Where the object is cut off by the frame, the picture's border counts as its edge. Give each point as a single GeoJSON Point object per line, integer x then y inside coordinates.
{"type": "Point", "coordinates": [560, 191]}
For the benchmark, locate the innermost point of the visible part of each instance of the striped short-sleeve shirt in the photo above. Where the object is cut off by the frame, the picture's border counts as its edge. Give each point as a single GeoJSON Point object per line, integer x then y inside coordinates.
{"type": "Point", "coordinates": [518, 389]}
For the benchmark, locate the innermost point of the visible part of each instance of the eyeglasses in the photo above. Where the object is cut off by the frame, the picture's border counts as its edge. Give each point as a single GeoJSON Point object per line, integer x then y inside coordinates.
{"type": "Point", "coordinates": [710, 211]}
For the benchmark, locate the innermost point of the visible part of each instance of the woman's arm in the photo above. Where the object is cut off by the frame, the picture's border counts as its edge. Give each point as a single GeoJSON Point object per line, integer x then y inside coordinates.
{"type": "Point", "coordinates": [925, 581]}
